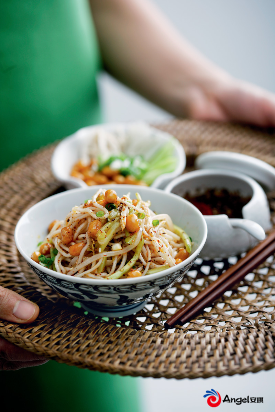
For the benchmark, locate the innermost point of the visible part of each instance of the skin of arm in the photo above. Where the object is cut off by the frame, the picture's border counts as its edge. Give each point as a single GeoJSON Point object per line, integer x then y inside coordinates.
{"type": "Point", "coordinates": [141, 49]}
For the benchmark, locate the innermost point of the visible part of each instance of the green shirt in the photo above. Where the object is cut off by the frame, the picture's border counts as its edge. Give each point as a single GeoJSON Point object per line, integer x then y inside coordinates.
{"type": "Point", "coordinates": [49, 60]}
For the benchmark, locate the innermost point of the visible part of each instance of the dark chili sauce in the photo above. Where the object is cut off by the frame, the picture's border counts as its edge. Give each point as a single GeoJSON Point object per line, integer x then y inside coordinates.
{"type": "Point", "coordinates": [218, 202]}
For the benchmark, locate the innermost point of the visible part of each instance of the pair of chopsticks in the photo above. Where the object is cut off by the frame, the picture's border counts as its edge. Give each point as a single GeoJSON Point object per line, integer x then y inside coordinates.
{"type": "Point", "coordinates": [229, 278]}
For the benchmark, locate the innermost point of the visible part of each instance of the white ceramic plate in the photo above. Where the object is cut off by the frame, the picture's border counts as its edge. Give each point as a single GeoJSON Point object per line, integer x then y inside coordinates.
{"type": "Point", "coordinates": [143, 140]}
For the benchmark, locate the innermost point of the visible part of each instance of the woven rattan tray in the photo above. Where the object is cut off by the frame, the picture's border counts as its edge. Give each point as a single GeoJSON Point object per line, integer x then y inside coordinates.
{"type": "Point", "coordinates": [236, 335]}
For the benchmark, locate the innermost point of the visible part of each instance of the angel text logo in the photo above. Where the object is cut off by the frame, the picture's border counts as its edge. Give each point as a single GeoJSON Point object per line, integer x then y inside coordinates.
{"type": "Point", "coordinates": [214, 399]}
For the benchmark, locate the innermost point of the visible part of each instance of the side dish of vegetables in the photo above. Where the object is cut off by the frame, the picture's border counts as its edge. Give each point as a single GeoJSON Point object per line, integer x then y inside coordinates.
{"type": "Point", "coordinates": [106, 163]}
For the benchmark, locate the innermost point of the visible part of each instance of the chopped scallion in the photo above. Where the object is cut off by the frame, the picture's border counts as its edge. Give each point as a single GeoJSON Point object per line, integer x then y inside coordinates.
{"type": "Point", "coordinates": [141, 215]}
{"type": "Point", "coordinates": [45, 261]}
{"type": "Point", "coordinates": [40, 243]}
{"type": "Point", "coordinates": [155, 222]}
{"type": "Point", "coordinates": [110, 206]}
{"type": "Point", "coordinates": [100, 213]}
{"type": "Point", "coordinates": [53, 253]}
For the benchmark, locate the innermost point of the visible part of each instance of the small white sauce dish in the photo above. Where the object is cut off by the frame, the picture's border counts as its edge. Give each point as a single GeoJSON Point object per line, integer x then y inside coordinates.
{"type": "Point", "coordinates": [228, 237]}
{"type": "Point", "coordinates": [109, 297]}
{"type": "Point", "coordinates": [141, 139]}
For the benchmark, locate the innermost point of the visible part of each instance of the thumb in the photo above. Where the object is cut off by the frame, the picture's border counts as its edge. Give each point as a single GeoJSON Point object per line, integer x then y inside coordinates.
{"type": "Point", "coordinates": [15, 308]}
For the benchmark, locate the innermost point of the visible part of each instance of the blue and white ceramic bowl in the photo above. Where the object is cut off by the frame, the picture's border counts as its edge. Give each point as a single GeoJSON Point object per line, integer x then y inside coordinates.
{"type": "Point", "coordinates": [109, 297]}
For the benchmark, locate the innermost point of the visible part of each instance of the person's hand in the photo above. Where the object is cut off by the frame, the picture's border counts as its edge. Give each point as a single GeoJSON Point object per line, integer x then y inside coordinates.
{"type": "Point", "coordinates": [232, 100]}
{"type": "Point", "coordinates": [15, 308]}
{"type": "Point", "coordinates": [140, 48]}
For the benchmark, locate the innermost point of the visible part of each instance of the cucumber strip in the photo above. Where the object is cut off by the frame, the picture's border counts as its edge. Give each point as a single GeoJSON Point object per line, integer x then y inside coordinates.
{"type": "Point", "coordinates": [102, 265]}
{"type": "Point", "coordinates": [162, 153]}
{"type": "Point", "coordinates": [108, 235]}
{"type": "Point", "coordinates": [131, 239]}
{"type": "Point", "coordinates": [168, 162]}
{"type": "Point", "coordinates": [184, 236]}
{"type": "Point", "coordinates": [163, 163]}
{"type": "Point", "coordinates": [152, 173]}
{"type": "Point", "coordinates": [156, 270]}
{"type": "Point", "coordinates": [113, 214]}
{"type": "Point", "coordinates": [101, 235]}
{"type": "Point", "coordinates": [130, 264]}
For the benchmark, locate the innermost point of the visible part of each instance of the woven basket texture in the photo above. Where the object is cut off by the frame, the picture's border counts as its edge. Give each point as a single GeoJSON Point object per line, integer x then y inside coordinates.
{"type": "Point", "coordinates": [235, 335]}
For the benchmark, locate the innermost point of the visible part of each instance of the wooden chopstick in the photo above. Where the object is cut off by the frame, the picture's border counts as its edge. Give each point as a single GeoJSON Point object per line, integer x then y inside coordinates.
{"type": "Point", "coordinates": [229, 278]}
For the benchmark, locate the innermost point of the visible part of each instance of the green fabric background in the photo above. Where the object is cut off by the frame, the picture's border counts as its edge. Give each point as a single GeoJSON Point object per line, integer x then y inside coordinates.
{"type": "Point", "coordinates": [57, 387]}
{"type": "Point", "coordinates": [48, 64]}
{"type": "Point", "coordinates": [49, 60]}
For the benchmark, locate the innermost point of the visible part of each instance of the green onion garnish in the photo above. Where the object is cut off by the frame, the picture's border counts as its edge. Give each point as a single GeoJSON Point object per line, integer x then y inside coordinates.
{"type": "Point", "coordinates": [141, 215]}
{"type": "Point", "coordinates": [53, 253]}
{"type": "Point", "coordinates": [190, 238]}
{"type": "Point", "coordinates": [155, 222]}
{"type": "Point", "coordinates": [110, 206]}
{"type": "Point", "coordinates": [40, 243]}
{"type": "Point", "coordinates": [85, 201]}
{"type": "Point", "coordinates": [100, 213]}
{"type": "Point", "coordinates": [46, 261]}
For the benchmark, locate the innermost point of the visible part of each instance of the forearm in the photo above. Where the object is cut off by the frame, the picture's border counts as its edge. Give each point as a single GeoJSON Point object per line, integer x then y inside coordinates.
{"type": "Point", "coordinates": [141, 49]}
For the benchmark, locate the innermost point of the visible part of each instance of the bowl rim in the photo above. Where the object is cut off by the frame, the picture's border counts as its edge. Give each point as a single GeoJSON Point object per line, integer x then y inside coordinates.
{"type": "Point", "coordinates": [109, 126]}
{"type": "Point", "coordinates": [111, 282]}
